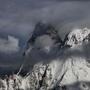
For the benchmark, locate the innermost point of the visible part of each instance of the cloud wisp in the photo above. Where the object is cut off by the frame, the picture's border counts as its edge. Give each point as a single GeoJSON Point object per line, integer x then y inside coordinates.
{"type": "Point", "coordinates": [10, 45]}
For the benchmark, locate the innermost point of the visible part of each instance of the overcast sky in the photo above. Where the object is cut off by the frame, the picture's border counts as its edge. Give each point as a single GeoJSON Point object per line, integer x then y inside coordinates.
{"type": "Point", "coordinates": [18, 18]}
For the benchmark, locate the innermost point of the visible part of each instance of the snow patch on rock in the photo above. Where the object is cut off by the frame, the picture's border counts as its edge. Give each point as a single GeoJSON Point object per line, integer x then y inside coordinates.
{"type": "Point", "coordinates": [77, 37]}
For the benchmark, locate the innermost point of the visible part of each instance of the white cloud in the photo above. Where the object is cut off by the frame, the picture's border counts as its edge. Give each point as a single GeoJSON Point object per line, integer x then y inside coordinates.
{"type": "Point", "coordinates": [43, 41]}
{"type": "Point", "coordinates": [10, 45]}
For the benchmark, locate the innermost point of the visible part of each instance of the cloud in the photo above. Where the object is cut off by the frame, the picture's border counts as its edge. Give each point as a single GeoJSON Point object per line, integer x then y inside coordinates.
{"type": "Point", "coordinates": [19, 18]}
{"type": "Point", "coordinates": [43, 41]}
{"type": "Point", "coordinates": [10, 45]}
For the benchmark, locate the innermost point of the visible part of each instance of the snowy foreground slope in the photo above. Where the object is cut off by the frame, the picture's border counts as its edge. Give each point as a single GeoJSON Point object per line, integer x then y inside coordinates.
{"type": "Point", "coordinates": [69, 71]}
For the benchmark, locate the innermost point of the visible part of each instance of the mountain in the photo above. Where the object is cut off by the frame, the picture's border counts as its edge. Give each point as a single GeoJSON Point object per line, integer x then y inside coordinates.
{"type": "Point", "coordinates": [69, 69]}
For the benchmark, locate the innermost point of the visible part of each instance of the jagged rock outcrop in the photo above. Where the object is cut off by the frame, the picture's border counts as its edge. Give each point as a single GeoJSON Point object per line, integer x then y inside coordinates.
{"type": "Point", "coordinates": [77, 37]}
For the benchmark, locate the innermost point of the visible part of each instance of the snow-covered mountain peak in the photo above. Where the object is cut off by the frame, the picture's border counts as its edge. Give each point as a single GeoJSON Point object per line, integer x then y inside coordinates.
{"type": "Point", "coordinates": [77, 37]}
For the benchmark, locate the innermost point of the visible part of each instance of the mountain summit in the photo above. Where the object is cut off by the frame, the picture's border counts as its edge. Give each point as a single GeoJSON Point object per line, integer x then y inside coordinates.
{"type": "Point", "coordinates": [77, 37]}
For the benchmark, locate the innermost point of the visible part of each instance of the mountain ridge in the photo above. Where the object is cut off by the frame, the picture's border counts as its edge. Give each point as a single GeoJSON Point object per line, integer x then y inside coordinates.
{"type": "Point", "coordinates": [70, 70]}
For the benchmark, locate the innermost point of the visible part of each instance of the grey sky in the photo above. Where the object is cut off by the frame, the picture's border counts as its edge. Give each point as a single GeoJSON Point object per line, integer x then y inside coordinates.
{"type": "Point", "coordinates": [18, 17]}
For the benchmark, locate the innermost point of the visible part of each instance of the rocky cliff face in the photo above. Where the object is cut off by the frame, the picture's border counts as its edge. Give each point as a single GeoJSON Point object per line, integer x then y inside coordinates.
{"type": "Point", "coordinates": [66, 72]}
